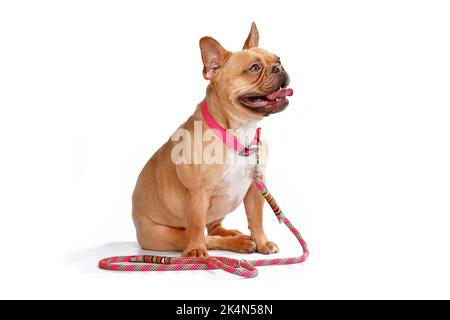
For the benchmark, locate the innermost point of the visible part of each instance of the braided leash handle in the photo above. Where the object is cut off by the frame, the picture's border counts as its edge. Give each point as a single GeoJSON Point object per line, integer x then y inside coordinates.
{"type": "Point", "coordinates": [241, 267]}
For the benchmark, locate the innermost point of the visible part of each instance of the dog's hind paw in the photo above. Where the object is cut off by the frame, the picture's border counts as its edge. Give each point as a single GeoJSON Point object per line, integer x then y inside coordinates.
{"type": "Point", "coordinates": [242, 244]}
{"type": "Point", "coordinates": [195, 253]}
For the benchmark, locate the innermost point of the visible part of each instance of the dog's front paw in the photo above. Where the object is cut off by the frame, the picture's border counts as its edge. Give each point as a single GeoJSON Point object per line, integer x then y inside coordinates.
{"type": "Point", "coordinates": [267, 247]}
{"type": "Point", "coordinates": [195, 253]}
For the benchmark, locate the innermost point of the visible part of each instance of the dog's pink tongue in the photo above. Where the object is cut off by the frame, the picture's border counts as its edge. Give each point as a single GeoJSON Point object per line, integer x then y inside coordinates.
{"type": "Point", "coordinates": [282, 93]}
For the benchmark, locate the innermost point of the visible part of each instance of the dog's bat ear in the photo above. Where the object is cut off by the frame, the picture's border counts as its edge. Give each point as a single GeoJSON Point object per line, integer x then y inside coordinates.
{"type": "Point", "coordinates": [213, 56]}
{"type": "Point", "coordinates": [253, 38]}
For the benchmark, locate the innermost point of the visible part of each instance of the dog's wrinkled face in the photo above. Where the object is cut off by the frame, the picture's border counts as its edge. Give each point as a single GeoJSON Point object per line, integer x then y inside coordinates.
{"type": "Point", "coordinates": [253, 79]}
{"type": "Point", "coordinates": [256, 81]}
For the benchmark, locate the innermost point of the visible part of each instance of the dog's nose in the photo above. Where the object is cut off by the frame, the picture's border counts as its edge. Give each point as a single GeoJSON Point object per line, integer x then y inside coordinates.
{"type": "Point", "coordinates": [276, 68]}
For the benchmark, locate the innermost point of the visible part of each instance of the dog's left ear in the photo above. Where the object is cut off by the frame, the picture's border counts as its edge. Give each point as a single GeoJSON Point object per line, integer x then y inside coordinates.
{"type": "Point", "coordinates": [213, 56]}
{"type": "Point", "coordinates": [253, 38]}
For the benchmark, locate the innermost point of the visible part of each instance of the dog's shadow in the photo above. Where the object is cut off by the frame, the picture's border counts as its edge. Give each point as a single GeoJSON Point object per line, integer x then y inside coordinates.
{"type": "Point", "coordinates": [88, 258]}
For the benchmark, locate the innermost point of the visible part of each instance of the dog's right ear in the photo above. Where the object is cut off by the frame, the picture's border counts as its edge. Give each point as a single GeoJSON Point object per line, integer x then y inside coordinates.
{"type": "Point", "coordinates": [253, 38]}
{"type": "Point", "coordinates": [213, 56]}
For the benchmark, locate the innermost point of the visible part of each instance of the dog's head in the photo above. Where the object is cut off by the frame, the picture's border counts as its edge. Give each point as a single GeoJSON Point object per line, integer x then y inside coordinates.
{"type": "Point", "coordinates": [252, 81]}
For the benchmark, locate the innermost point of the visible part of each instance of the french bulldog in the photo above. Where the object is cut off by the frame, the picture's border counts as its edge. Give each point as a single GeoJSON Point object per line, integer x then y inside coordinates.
{"type": "Point", "coordinates": [174, 203]}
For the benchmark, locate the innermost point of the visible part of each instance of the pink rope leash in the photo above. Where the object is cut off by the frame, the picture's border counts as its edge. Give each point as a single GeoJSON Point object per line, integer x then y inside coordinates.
{"type": "Point", "coordinates": [243, 268]}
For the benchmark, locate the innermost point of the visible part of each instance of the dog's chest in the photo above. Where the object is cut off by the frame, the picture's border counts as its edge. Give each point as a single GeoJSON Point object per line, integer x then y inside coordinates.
{"type": "Point", "coordinates": [230, 190]}
{"type": "Point", "coordinates": [235, 180]}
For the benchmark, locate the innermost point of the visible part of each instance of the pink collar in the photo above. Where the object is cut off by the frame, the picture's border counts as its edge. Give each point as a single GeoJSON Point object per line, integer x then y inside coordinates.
{"type": "Point", "coordinates": [228, 139]}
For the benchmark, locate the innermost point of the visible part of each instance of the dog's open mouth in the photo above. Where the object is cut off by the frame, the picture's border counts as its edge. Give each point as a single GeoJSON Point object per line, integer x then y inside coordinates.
{"type": "Point", "coordinates": [272, 103]}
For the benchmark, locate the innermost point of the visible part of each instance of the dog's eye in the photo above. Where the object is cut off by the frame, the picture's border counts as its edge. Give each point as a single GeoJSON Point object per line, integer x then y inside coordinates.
{"type": "Point", "coordinates": [255, 68]}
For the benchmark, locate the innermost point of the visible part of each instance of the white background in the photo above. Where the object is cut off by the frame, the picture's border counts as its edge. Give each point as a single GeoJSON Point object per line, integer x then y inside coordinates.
{"type": "Point", "coordinates": [359, 161]}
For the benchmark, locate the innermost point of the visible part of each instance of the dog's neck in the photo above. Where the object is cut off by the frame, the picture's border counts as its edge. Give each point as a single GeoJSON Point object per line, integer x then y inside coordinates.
{"type": "Point", "coordinates": [240, 125]}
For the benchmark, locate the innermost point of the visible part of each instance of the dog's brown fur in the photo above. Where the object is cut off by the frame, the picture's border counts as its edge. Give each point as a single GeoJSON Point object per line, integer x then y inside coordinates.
{"type": "Point", "coordinates": [173, 204]}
